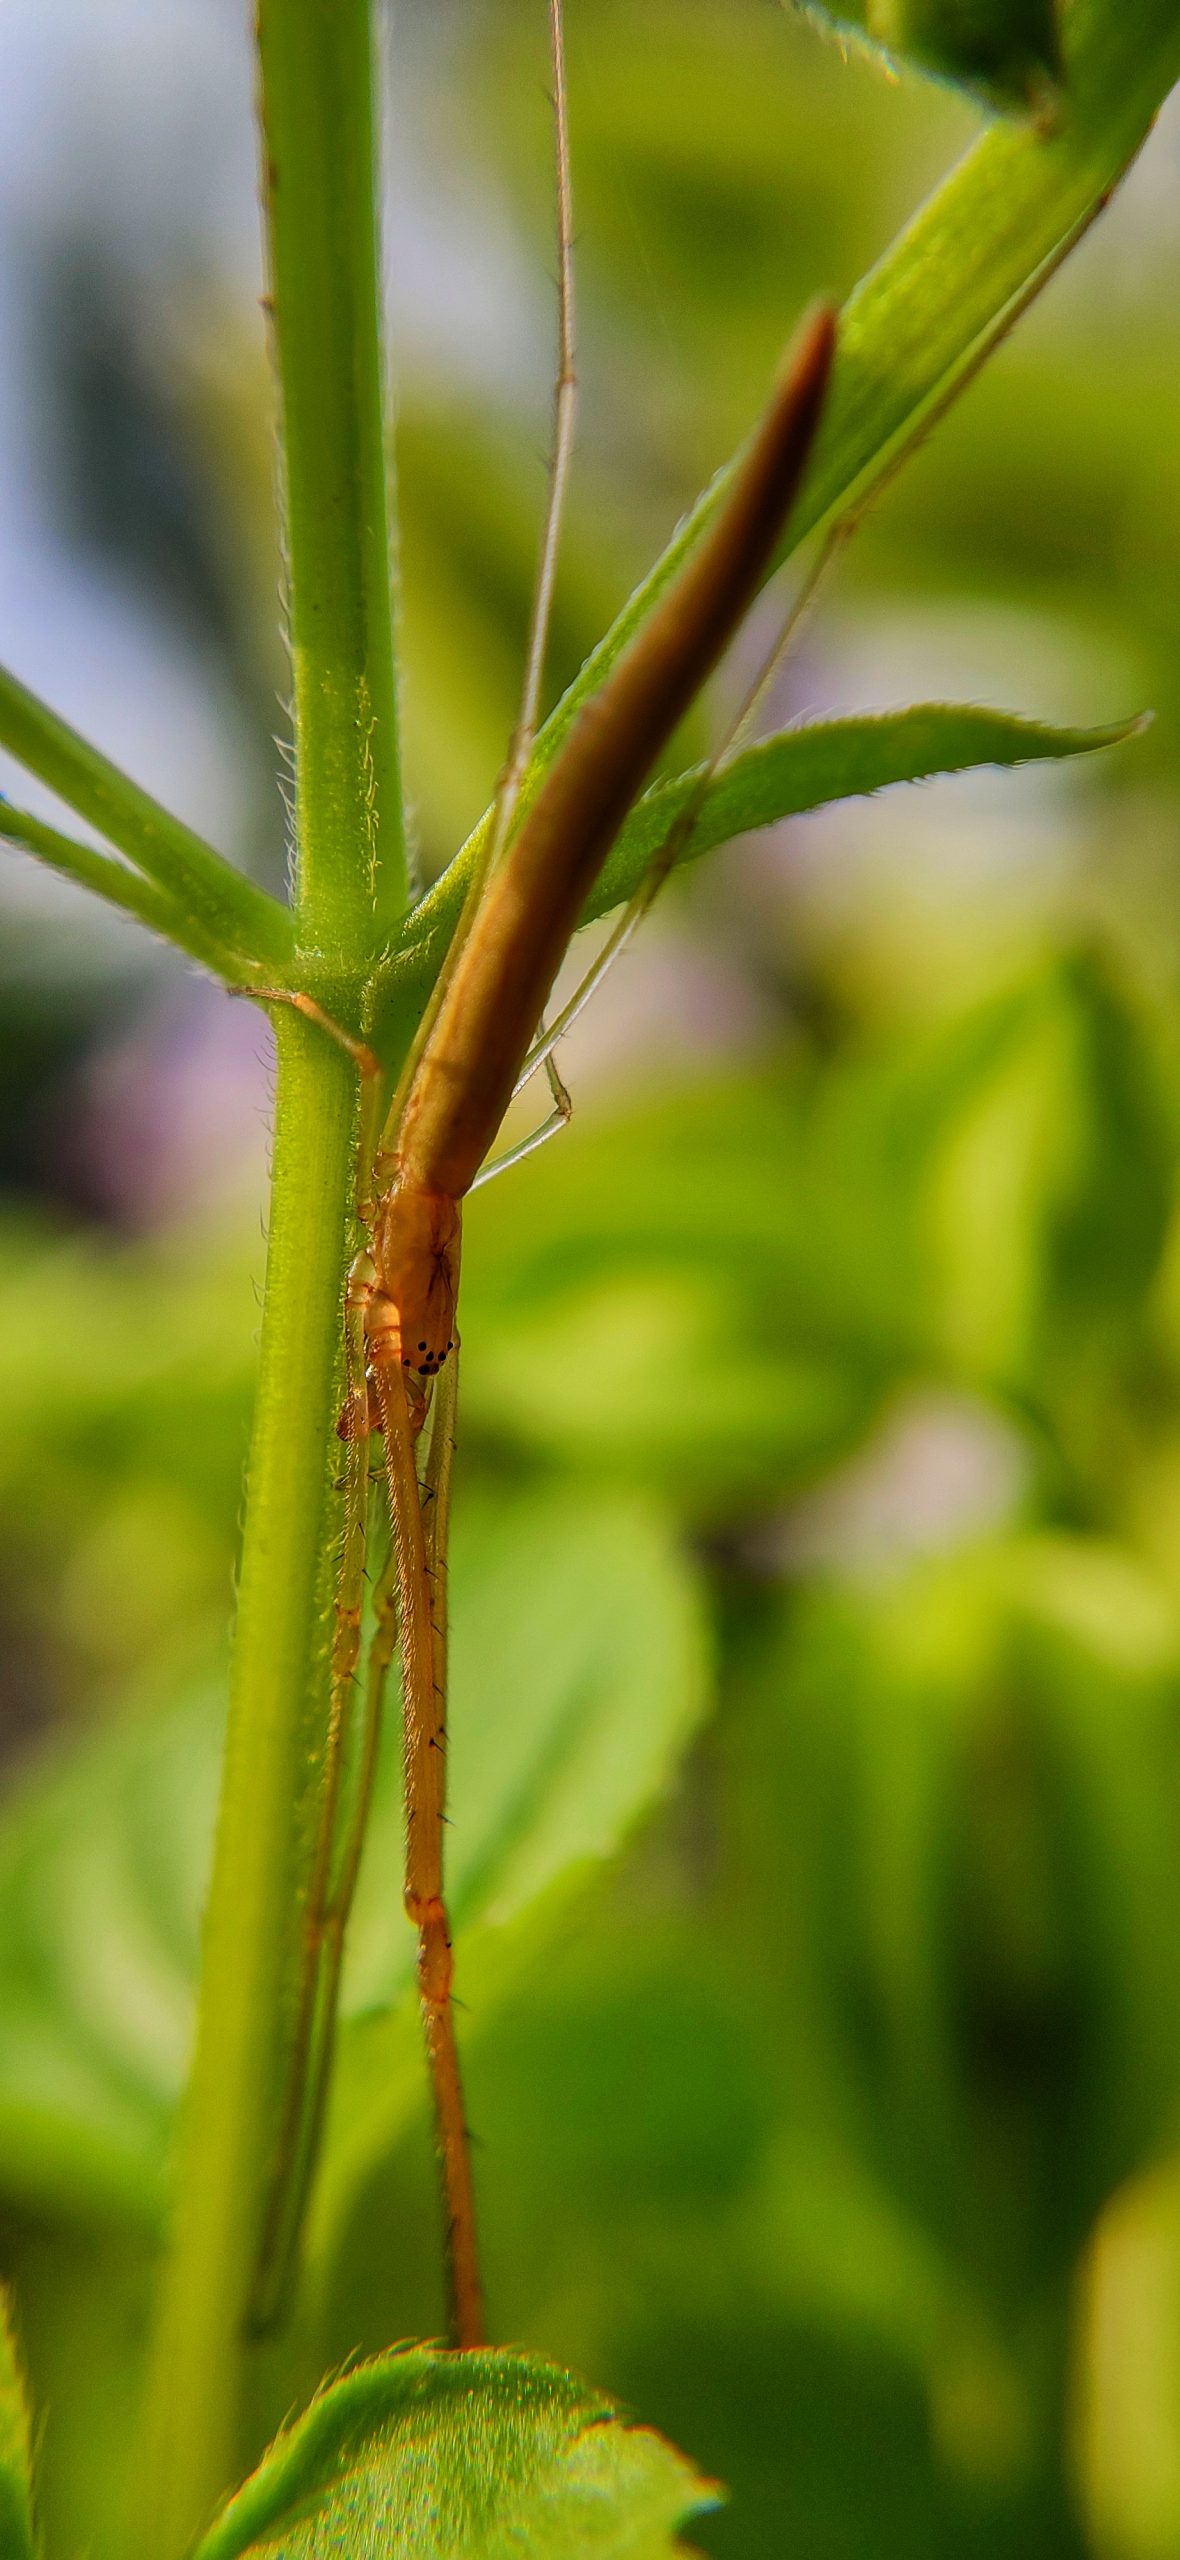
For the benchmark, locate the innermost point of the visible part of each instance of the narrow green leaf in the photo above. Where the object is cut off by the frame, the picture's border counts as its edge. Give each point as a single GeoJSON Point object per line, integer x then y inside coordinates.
{"type": "Point", "coordinates": [220, 903]}
{"type": "Point", "coordinates": [17, 2538]}
{"type": "Point", "coordinates": [781, 777]}
{"type": "Point", "coordinates": [805, 768]}
{"type": "Point", "coordinates": [427, 2456]}
{"type": "Point", "coordinates": [1007, 51]}
{"type": "Point", "coordinates": [121, 887]}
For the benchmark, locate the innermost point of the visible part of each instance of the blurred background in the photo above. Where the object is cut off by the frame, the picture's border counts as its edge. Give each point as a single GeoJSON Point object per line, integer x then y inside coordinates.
{"type": "Point", "coordinates": [832, 2120]}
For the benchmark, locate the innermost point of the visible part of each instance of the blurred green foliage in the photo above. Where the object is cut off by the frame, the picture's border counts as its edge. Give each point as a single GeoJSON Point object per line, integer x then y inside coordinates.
{"type": "Point", "coordinates": [817, 1726]}
{"type": "Point", "coordinates": [16, 2522]}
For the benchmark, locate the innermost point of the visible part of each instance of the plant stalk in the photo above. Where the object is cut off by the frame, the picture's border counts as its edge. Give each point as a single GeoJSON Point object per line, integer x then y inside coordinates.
{"type": "Point", "coordinates": [320, 190]}
{"type": "Point", "coordinates": [253, 1917]}
{"type": "Point", "coordinates": [319, 173]}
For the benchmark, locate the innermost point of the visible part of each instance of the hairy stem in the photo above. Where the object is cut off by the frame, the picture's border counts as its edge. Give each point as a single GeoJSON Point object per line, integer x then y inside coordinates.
{"type": "Point", "coordinates": [252, 1923]}
{"type": "Point", "coordinates": [319, 177]}
{"type": "Point", "coordinates": [253, 1920]}
{"type": "Point", "coordinates": [317, 104]}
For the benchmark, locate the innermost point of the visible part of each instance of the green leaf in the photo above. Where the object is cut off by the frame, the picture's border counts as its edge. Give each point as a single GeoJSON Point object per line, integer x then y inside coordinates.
{"type": "Point", "coordinates": [484, 2456]}
{"type": "Point", "coordinates": [800, 769]}
{"type": "Point", "coordinates": [102, 1869]}
{"type": "Point", "coordinates": [567, 1719]}
{"type": "Point", "coordinates": [1008, 51]}
{"type": "Point", "coordinates": [17, 2539]}
{"type": "Point", "coordinates": [121, 887]}
{"type": "Point", "coordinates": [225, 907]}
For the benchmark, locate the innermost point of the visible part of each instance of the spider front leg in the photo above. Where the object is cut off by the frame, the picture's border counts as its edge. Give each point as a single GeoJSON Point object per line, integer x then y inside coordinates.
{"type": "Point", "coordinates": [558, 1118]}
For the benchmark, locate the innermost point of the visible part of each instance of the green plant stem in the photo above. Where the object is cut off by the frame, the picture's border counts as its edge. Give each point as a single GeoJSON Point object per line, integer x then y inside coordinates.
{"type": "Point", "coordinates": [316, 60]}
{"type": "Point", "coordinates": [193, 2451]}
{"type": "Point", "coordinates": [220, 902]}
{"type": "Point", "coordinates": [319, 158]}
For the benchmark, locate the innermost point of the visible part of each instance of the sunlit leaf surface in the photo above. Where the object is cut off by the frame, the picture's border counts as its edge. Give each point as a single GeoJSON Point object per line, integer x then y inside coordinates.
{"type": "Point", "coordinates": [484, 2457]}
